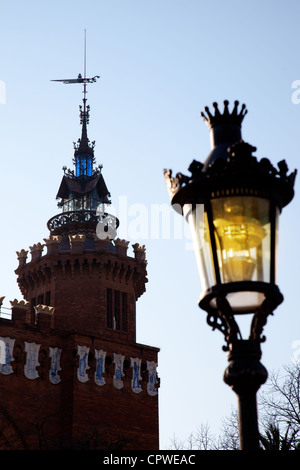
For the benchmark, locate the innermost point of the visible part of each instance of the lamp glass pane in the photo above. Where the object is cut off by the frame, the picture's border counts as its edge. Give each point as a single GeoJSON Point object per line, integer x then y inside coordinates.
{"type": "Point", "coordinates": [243, 234]}
{"type": "Point", "coordinates": [197, 219]}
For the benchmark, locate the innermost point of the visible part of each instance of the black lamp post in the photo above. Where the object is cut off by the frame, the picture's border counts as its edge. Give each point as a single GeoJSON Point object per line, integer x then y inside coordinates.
{"type": "Point", "coordinates": [232, 202]}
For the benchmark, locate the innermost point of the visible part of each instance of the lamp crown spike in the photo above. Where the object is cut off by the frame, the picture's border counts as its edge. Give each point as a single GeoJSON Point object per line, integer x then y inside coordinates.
{"type": "Point", "coordinates": [227, 117]}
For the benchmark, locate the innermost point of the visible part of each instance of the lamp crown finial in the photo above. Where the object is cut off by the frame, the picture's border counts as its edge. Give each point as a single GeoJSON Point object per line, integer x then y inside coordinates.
{"type": "Point", "coordinates": [234, 117]}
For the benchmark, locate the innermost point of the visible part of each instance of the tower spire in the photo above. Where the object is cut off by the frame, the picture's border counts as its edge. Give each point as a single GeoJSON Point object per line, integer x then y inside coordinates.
{"type": "Point", "coordinates": [82, 191]}
{"type": "Point", "coordinates": [84, 151]}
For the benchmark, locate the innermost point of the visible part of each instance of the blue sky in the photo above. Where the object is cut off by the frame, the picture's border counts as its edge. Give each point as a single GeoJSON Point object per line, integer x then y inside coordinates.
{"type": "Point", "coordinates": [160, 63]}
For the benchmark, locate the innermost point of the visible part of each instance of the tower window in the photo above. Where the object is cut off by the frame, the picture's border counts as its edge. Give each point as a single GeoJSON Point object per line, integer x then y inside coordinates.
{"type": "Point", "coordinates": [116, 319]}
{"type": "Point", "coordinates": [109, 316]}
{"type": "Point", "coordinates": [48, 298]}
{"type": "Point", "coordinates": [84, 165]}
{"type": "Point", "coordinates": [116, 310]}
{"type": "Point", "coordinates": [124, 310]}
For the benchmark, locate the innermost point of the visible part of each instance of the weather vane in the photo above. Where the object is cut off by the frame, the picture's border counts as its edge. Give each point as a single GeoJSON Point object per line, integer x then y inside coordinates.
{"type": "Point", "coordinates": [80, 78]}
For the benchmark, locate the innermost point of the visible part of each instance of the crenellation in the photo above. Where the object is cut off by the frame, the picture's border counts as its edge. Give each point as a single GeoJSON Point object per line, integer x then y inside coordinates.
{"type": "Point", "coordinates": [52, 243]}
{"type": "Point", "coordinates": [101, 245]}
{"type": "Point", "coordinates": [77, 242]}
{"type": "Point", "coordinates": [44, 317]}
{"type": "Point", "coordinates": [121, 247]}
{"type": "Point", "coordinates": [139, 252]}
{"type": "Point", "coordinates": [22, 257]}
{"type": "Point", "coordinates": [36, 251]}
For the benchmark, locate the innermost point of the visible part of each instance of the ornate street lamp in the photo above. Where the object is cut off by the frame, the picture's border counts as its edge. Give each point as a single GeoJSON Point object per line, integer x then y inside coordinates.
{"type": "Point", "coordinates": [232, 202]}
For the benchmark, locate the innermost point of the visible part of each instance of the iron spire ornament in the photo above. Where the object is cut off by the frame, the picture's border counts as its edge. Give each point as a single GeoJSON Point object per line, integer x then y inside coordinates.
{"type": "Point", "coordinates": [83, 194]}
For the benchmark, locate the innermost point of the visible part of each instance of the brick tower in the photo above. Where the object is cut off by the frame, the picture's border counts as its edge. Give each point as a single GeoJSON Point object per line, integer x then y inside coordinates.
{"type": "Point", "coordinates": [72, 375]}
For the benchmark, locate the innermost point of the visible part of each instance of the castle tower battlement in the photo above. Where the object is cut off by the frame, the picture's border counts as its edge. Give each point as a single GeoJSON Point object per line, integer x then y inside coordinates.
{"type": "Point", "coordinates": [83, 274]}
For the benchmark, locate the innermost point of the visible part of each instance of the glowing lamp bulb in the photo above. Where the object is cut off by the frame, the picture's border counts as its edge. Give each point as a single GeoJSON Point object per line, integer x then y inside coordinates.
{"type": "Point", "coordinates": [239, 239]}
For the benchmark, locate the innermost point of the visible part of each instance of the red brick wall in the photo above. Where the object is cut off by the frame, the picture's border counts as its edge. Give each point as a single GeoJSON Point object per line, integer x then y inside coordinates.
{"type": "Point", "coordinates": [37, 414]}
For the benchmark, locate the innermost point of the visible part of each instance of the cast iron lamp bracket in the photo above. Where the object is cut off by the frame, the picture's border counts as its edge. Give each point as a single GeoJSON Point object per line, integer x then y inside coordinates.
{"type": "Point", "coordinates": [222, 318]}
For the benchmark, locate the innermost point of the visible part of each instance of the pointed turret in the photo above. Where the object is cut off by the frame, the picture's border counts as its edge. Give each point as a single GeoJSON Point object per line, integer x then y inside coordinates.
{"type": "Point", "coordinates": [84, 151]}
